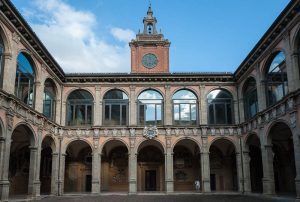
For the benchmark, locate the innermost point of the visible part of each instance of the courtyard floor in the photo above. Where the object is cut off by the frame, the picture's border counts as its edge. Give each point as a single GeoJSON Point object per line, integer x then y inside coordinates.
{"type": "Point", "coordinates": [168, 198]}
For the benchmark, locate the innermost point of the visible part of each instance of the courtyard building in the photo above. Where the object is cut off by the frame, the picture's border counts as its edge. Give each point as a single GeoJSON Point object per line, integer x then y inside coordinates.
{"type": "Point", "coordinates": [149, 130]}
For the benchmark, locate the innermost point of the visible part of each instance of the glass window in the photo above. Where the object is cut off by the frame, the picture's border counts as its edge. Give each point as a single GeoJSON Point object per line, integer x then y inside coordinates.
{"type": "Point", "coordinates": [24, 84]}
{"type": "Point", "coordinates": [220, 108]}
{"type": "Point", "coordinates": [115, 108]}
{"type": "Point", "coordinates": [80, 108]}
{"type": "Point", "coordinates": [150, 108]}
{"type": "Point", "coordinates": [184, 108]}
{"type": "Point", "coordinates": [250, 98]}
{"type": "Point", "coordinates": [49, 99]}
{"type": "Point", "coordinates": [276, 79]}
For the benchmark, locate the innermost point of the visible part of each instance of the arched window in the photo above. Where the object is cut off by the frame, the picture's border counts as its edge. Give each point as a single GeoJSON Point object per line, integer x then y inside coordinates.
{"type": "Point", "coordinates": [250, 98]}
{"type": "Point", "coordinates": [24, 85]}
{"type": "Point", "coordinates": [115, 108]}
{"type": "Point", "coordinates": [49, 99]}
{"type": "Point", "coordinates": [184, 108]}
{"type": "Point", "coordinates": [80, 108]}
{"type": "Point", "coordinates": [220, 108]}
{"type": "Point", "coordinates": [276, 79]}
{"type": "Point", "coordinates": [150, 108]}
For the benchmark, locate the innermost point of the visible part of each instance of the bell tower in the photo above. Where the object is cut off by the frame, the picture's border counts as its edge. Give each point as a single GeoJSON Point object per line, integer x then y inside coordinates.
{"type": "Point", "coordinates": [149, 50]}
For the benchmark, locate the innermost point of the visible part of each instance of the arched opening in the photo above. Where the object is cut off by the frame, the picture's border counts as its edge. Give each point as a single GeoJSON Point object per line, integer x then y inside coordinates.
{"type": "Point", "coordinates": [150, 108]}
{"type": "Point", "coordinates": [220, 108]}
{"type": "Point", "coordinates": [115, 108]}
{"type": "Point", "coordinates": [78, 167]}
{"type": "Point", "coordinates": [150, 163]}
{"type": "Point", "coordinates": [48, 147]}
{"type": "Point", "coordinates": [186, 165]}
{"type": "Point", "coordinates": [185, 108]}
{"type": "Point", "coordinates": [49, 99]}
{"type": "Point", "coordinates": [20, 161]}
{"type": "Point", "coordinates": [114, 167]}
{"type": "Point", "coordinates": [25, 78]}
{"type": "Point", "coordinates": [250, 98]}
{"type": "Point", "coordinates": [80, 108]}
{"type": "Point", "coordinates": [256, 168]}
{"type": "Point", "coordinates": [223, 170]}
{"type": "Point", "coordinates": [276, 78]}
{"type": "Point", "coordinates": [283, 158]}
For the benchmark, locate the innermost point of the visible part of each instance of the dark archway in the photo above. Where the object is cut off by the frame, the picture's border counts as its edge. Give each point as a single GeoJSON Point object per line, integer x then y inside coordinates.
{"type": "Point", "coordinates": [78, 167]}
{"type": "Point", "coordinates": [186, 165]}
{"type": "Point", "coordinates": [223, 170]}
{"type": "Point", "coordinates": [114, 167]}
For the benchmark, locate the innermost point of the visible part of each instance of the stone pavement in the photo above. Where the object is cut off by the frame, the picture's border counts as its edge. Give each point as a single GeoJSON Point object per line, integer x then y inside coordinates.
{"type": "Point", "coordinates": [167, 198]}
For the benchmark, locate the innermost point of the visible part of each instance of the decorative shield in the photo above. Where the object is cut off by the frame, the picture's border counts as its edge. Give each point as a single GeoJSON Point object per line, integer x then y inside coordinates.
{"type": "Point", "coordinates": [150, 132]}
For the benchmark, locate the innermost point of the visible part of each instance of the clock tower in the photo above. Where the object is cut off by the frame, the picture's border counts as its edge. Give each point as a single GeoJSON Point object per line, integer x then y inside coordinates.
{"type": "Point", "coordinates": [149, 51]}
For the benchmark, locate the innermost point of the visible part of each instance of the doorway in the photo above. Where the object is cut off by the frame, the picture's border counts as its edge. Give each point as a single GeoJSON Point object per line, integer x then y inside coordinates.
{"type": "Point", "coordinates": [150, 180]}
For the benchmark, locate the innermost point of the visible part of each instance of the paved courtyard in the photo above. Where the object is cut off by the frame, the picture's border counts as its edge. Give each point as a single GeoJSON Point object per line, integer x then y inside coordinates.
{"type": "Point", "coordinates": [167, 198]}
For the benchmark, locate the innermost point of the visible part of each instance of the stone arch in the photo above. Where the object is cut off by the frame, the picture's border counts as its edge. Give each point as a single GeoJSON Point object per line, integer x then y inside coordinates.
{"type": "Point", "coordinates": [33, 140]}
{"type": "Point", "coordinates": [186, 164]}
{"type": "Point", "coordinates": [185, 88]}
{"type": "Point", "coordinates": [70, 91]}
{"type": "Point", "coordinates": [114, 139]}
{"type": "Point", "coordinates": [150, 88]}
{"type": "Point", "coordinates": [114, 166]}
{"type": "Point", "coordinates": [295, 41]}
{"type": "Point", "coordinates": [70, 141]}
{"type": "Point", "coordinates": [232, 93]}
{"type": "Point", "coordinates": [78, 166]}
{"type": "Point", "coordinates": [115, 88]}
{"type": "Point", "coordinates": [31, 58]}
{"type": "Point", "coordinates": [188, 138]}
{"type": "Point", "coordinates": [236, 147]}
{"type": "Point", "coordinates": [266, 63]}
{"type": "Point", "coordinates": [2, 128]}
{"type": "Point", "coordinates": [162, 146]}
{"type": "Point", "coordinates": [22, 160]}
{"type": "Point", "coordinates": [267, 138]}
{"type": "Point", "coordinates": [223, 165]}
{"type": "Point", "coordinates": [6, 41]}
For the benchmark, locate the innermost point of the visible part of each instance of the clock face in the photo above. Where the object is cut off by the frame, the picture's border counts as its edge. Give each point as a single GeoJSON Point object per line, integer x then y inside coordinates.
{"type": "Point", "coordinates": [149, 60]}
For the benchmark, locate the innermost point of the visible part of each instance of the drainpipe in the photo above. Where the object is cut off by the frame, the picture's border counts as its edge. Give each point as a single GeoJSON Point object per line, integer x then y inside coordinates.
{"type": "Point", "coordinates": [240, 140]}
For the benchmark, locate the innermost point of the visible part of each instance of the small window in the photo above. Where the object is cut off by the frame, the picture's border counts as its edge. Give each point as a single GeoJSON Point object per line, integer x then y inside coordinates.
{"type": "Point", "coordinates": [185, 108]}
{"type": "Point", "coordinates": [115, 108]}
{"type": "Point", "coordinates": [80, 108]}
{"type": "Point", "coordinates": [220, 108]}
{"type": "Point", "coordinates": [150, 108]}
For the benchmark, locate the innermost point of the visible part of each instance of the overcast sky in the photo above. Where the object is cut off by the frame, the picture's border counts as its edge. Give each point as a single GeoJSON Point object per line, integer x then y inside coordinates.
{"type": "Point", "coordinates": [205, 35]}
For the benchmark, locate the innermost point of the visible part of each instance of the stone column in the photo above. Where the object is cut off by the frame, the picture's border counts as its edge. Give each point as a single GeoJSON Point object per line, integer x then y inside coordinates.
{"type": "Point", "coordinates": [261, 91]}
{"type": "Point", "coordinates": [33, 181]}
{"type": "Point", "coordinates": [132, 107]}
{"type": "Point", "coordinates": [132, 166]}
{"type": "Point", "coordinates": [57, 111]}
{"type": "Point", "coordinates": [240, 177]}
{"type": "Point", "coordinates": [97, 107]}
{"type": "Point", "coordinates": [39, 98]}
{"type": "Point", "coordinates": [168, 118]}
{"type": "Point", "coordinates": [4, 183]}
{"type": "Point", "coordinates": [61, 174]}
{"type": "Point", "coordinates": [268, 179]}
{"type": "Point", "coordinates": [64, 114]}
{"type": "Point", "coordinates": [246, 166]}
{"type": "Point", "coordinates": [205, 166]}
{"type": "Point", "coordinates": [96, 169]}
{"type": "Point", "coordinates": [9, 73]}
{"type": "Point", "coordinates": [296, 142]}
{"type": "Point", "coordinates": [202, 106]}
{"type": "Point", "coordinates": [54, 174]}
{"type": "Point", "coordinates": [295, 67]}
{"type": "Point", "coordinates": [169, 181]}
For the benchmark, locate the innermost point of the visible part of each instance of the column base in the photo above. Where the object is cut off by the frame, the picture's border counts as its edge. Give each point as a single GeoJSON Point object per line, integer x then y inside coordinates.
{"type": "Point", "coordinates": [297, 185]}
{"type": "Point", "coordinates": [169, 186]}
{"type": "Point", "coordinates": [4, 190]}
{"type": "Point", "coordinates": [268, 187]}
{"type": "Point", "coordinates": [132, 187]}
{"type": "Point", "coordinates": [95, 187]}
{"type": "Point", "coordinates": [206, 186]}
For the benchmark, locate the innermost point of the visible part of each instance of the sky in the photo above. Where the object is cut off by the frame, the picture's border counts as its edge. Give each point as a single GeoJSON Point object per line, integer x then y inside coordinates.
{"type": "Point", "coordinates": [206, 35]}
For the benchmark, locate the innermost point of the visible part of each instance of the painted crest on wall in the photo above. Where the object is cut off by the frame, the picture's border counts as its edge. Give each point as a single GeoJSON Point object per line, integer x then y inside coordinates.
{"type": "Point", "coordinates": [150, 132]}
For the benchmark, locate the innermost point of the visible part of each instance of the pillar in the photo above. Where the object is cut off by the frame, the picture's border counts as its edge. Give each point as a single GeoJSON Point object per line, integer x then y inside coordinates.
{"type": "Point", "coordinates": [295, 67]}
{"type": "Point", "coordinates": [38, 99]}
{"type": "Point", "coordinates": [296, 142]}
{"type": "Point", "coordinates": [132, 107]}
{"type": "Point", "coordinates": [168, 118]}
{"type": "Point", "coordinates": [169, 181]}
{"type": "Point", "coordinates": [61, 177]}
{"type": "Point", "coordinates": [9, 72]}
{"type": "Point", "coordinates": [33, 179]}
{"type": "Point", "coordinates": [240, 177]}
{"type": "Point", "coordinates": [246, 166]}
{"type": "Point", "coordinates": [261, 91]}
{"type": "Point", "coordinates": [97, 107]}
{"type": "Point", "coordinates": [132, 166]}
{"type": "Point", "coordinates": [202, 106]}
{"type": "Point", "coordinates": [205, 166]}
{"type": "Point", "coordinates": [54, 174]}
{"type": "Point", "coordinates": [268, 179]}
{"type": "Point", "coordinates": [96, 169]}
{"type": "Point", "coordinates": [4, 183]}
